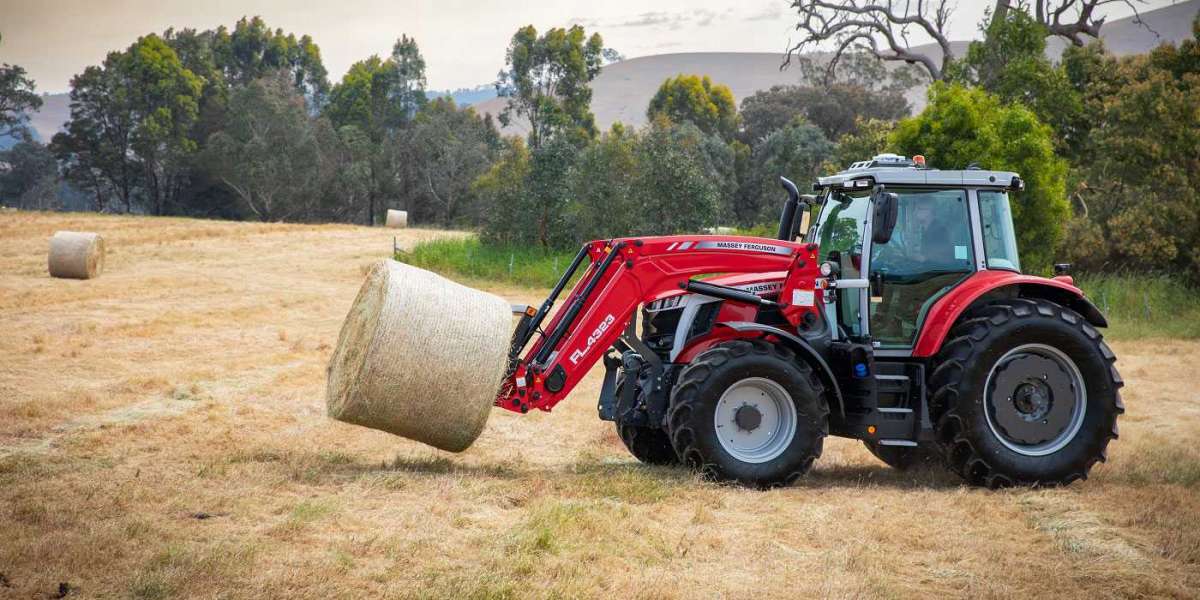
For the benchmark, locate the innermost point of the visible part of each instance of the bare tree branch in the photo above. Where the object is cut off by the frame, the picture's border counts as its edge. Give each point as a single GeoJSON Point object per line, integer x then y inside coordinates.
{"type": "Point", "coordinates": [882, 27]}
{"type": "Point", "coordinates": [872, 25]}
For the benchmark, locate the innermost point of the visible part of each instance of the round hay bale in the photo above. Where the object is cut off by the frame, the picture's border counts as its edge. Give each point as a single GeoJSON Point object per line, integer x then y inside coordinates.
{"type": "Point", "coordinates": [76, 255]}
{"type": "Point", "coordinates": [419, 356]}
{"type": "Point", "coordinates": [397, 219]}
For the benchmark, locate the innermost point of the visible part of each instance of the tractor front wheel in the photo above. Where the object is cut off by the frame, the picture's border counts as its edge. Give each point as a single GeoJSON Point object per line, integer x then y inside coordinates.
{"type": "Point", "coordinates": [750, 412]}
{"type": "Point", "coordinates": [649, 445]}
{"type": "Point", "coordinates": [1025, 392]}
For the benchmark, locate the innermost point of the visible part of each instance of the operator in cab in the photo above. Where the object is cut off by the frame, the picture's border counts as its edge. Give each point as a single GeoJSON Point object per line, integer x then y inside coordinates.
{"type": "Point", "coordinates": [928, 252]}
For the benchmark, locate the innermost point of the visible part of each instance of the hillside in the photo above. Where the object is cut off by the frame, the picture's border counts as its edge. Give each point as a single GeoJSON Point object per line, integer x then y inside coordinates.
{"type": "Point", "coordinates": [623, 90]}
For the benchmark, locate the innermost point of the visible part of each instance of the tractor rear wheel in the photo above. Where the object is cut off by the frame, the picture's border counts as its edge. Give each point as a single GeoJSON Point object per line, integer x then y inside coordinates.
{"type": "Point", "coordinates": [748, 411]}
{"type": "Point", "coordinates": [1024, 393]}
{"type": "Point", "coordinates": [903, 458]}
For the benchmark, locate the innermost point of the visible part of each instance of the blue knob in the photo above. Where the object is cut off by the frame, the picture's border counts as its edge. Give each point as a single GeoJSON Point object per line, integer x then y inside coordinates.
{"type": "Point", "coordinates": [860, 370]}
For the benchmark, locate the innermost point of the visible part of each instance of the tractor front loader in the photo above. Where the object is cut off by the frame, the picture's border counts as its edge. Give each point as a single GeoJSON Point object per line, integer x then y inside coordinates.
{"type": "Point", "coordinates": [901, 319]}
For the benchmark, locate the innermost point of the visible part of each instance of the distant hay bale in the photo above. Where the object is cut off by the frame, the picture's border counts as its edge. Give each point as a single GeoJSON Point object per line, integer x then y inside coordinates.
{"type": "Point", "coordinates": [76, 255]}
{"type": "Point", "coordinates": [397, 219]}
{"type": "Point", "coordinates": [419, 356]}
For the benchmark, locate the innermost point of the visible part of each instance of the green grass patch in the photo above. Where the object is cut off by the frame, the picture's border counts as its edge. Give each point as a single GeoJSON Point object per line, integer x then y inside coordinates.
{"type": "Point", "coordinates": [1144, 306]}
{"type": "Point", "coordinates": [468, 258]}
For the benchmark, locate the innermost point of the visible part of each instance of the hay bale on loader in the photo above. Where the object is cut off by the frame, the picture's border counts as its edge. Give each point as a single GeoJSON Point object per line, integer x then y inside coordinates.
{"type": "Point", "coordinates": [419, 356]}
{"type": "Point", "coordinates": [397, 219]}
{"type": "Point", "coordinates": [76, 255]}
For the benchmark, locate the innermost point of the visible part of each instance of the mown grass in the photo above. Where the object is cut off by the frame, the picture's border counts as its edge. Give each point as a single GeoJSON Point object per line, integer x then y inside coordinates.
{"type": "Point", "coordinates": [1137, 306]}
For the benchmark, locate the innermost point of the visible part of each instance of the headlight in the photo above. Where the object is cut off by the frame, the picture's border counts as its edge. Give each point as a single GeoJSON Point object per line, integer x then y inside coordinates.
{"type": "Point", "coordinates": [829, 269]}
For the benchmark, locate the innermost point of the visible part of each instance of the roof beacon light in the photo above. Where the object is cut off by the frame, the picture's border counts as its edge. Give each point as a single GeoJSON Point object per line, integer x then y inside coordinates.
{"type": "Point", "coordinates": [919, 160]}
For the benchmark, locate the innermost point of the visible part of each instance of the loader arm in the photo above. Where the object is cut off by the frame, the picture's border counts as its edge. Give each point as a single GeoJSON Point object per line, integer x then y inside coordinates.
{"type": "Point", "coordinates": [546, 363]}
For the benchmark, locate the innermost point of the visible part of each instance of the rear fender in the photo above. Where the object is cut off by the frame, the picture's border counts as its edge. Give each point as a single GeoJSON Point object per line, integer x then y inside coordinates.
{"type": "Point", "coordinates": [988, 285]}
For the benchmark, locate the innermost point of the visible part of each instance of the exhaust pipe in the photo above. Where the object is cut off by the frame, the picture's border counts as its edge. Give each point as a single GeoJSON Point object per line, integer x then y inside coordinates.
{"type": "Point", "coordinates": [786, 230]}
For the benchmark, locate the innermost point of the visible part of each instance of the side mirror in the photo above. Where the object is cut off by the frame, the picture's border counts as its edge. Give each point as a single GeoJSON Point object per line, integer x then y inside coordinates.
{"type": "Point", "coordinates": [883, 220]}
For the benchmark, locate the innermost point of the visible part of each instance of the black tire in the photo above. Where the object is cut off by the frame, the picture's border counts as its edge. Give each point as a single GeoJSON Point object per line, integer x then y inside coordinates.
{"type": "Point", "coordinates": [974, 448]}
{"type": "Point", "coordinates": [649, 445]}
{"type": "Point", "coordinates": [904, 458]}
{"type": "Point", "coordinates": [699, 388]}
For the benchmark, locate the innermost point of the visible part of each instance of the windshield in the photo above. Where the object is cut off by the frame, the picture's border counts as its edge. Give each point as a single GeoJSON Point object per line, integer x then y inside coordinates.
{"type": "Point", "coordinates": [840, 229]}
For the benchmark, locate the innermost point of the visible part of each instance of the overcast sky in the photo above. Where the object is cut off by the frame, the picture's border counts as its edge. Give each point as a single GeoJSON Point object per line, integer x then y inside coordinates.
{"type": "Point", "coordinates": [463, 41]}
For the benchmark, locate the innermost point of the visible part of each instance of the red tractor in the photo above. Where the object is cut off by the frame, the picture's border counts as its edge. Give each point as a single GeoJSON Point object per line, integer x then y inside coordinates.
{"type": "Point", "coordinates": [902, 319]}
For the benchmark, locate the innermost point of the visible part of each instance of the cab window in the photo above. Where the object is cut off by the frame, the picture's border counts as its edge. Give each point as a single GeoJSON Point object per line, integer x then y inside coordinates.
{"type": "Point", "coordinates": [999, 239]}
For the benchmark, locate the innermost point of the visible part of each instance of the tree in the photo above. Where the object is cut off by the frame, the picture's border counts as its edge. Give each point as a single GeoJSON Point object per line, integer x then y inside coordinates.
{"type": "Point", "coordinates": [270, 153]}
{"type": "Point", "coordinates": [355, 176]}
{"type": "Point", "coordinates": [962, 126]}
{"type": "Point", "coordinates": [130, 125]}
{"type": "Point", "coordinates": [870, 139]}
{"type": "Point", "coordinates": [602, 184]}
{"type": "Point", "coordinates": [17, 99]}
{"type": "Point", "coordinates": [861, 88]}
{"type": "Point", "coordinates": [95, 149]}
{"type": "Point", "coordinates": [31, 166]}
{"type": "Point", "coordinates": [883, 28]}
{"type": "Point", "coordinates": [165, 105]}
{"type": "Point", "coordinates": [448, 149]}
{"type": "Point", "coordinates": [1011, 63]}
{"type": "Point", "coordinates": [836, 109]}
{"type": "Point", "coordinates": [502, 191]}
{"type": "Point", "coordinates": [252, 51]}
{"type": "Point", "coordinates": [695, 99]}
{"type": "Point", "coordinates": [679, 186]}
{"type": "Point", "coordinates": [795, 151]}
{"type": "Point", "coordinates": [1142, 170]}
{"type": "Point", "coordinates": [546, 81]}
{"type": "Point", "coordinates": [380, 97]}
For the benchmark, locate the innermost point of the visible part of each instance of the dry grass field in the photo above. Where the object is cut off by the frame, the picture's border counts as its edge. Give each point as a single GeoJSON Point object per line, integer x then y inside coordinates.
{"type": "Point", "coordinates": [162, 434]}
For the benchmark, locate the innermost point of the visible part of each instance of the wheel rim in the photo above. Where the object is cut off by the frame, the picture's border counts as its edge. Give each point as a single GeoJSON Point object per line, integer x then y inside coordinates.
{"type": "Point", "coordinates": [1035, 400]}
{"type": "Point", "coordinates": [755, 420]}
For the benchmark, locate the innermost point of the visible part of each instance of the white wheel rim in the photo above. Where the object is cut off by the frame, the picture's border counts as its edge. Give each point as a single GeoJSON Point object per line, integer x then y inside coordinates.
{"type": "Point", "coordinates": [776, 414]}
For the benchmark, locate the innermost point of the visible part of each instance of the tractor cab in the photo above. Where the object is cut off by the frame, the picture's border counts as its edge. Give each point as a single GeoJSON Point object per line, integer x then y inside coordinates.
{"type": "Point", "coordinates": [895, 236]}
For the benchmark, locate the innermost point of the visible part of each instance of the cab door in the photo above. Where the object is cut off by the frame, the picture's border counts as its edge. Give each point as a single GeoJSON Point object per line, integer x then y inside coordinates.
{"type": "Point", "coordinates": [930, 251]}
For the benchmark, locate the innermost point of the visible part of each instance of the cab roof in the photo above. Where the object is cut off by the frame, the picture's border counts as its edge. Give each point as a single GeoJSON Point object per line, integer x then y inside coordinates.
{"type": "Point", "coordinates": [890, 169]}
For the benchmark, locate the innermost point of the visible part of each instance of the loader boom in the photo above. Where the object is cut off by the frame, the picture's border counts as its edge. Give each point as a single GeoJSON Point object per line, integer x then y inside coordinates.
{"type": "Point", "coordinates": [622, 275]}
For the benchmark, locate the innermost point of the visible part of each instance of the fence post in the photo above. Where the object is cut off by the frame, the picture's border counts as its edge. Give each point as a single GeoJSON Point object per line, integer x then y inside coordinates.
{"type": "Point", "coordinates": [511, 256]}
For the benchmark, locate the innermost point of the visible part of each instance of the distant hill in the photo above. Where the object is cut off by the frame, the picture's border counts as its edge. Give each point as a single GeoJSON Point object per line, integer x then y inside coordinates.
{"type": "Point", "coordinates": [466, 96]}
{"type": "Point", "coordinates": [55, 112]}
{"type": "Point", "coordinates": [623, 90]}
